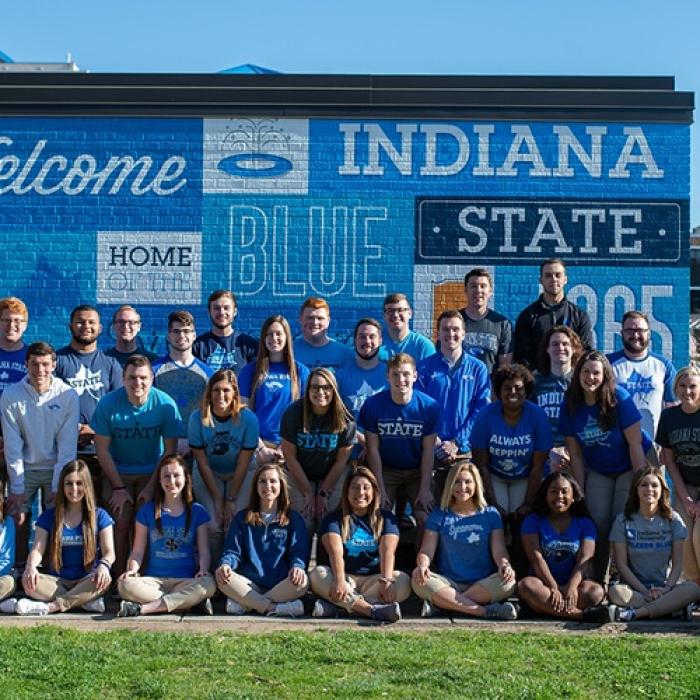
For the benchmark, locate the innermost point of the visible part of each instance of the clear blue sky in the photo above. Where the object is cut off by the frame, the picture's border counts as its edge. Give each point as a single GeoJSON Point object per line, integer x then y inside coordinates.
{"type": "Point", "coordinates": [541, 37]}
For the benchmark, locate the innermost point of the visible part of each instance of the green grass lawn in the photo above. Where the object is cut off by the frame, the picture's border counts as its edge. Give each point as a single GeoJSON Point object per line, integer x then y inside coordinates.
{"type": "Point", "coordinates": [59, 663]}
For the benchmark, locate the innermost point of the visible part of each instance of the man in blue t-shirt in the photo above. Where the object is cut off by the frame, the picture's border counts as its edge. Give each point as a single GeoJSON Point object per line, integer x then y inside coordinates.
{"type": "Point", "coordinates": [315, 348]}
{"type": "Point", "coordinates": [223, 347]}
{"type": "Point", "coordinates": [135, 426]}
{"type": "Point", "coordinates": [399, 337]}
{"type": "Point", "coordinates": [180, 374]}
{"type": "Point", "coordinates": [92, 375]}
{"type": "Point", "coordinates": [400, 427]}
{"type": "Point", "coordinates": [365, 376]}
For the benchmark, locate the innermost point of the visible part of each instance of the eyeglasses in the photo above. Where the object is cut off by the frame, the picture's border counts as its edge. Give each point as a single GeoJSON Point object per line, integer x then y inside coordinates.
{"type": "Point", "coordinates": [181, 331]}
{"type": "Point", "coordinates": [396, 310]}
{"type": "Point", "coordinates": [635, 331]}
{"type": "Point", "coordinates": [121, 322]}
{"type": "Point", "coordinates": [325, 388]}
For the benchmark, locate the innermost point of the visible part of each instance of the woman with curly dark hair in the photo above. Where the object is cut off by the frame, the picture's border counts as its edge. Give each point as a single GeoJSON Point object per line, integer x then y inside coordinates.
{"type": "Point", "coordinates": [510, 441]}
{"type": "Point", "coordinates": [559, 540]}
{"type": "Point", "coordinates": [647, 540]}
{"type": "Point", "coordinates": [602, 429]}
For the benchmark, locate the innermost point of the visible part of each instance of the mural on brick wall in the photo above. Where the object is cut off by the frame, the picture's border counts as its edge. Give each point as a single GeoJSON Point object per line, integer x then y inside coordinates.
{"type": "Point", "coordinates": [160, 212]}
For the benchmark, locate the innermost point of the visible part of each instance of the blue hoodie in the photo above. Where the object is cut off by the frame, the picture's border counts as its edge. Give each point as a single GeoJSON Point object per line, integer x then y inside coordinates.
{"type": "Point", "coordinates": [264, 554]}
{"type": "Point", "coordinates": [461, 392]}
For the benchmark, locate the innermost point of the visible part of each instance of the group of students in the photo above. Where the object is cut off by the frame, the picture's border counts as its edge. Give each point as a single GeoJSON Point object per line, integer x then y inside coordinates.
{"type": "Point", "coordinates": [489, 460]}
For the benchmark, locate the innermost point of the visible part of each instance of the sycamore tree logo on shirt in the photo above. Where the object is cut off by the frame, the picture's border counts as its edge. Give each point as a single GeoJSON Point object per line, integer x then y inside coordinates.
{"type": "Point", "coordinates": [473, 538]}
{"type": "Point", "coordinates": [640, 387]}
{"type": "Point", "coordinates": [85, 380]}
{"type": "Point", "coordinates": [593, 434]}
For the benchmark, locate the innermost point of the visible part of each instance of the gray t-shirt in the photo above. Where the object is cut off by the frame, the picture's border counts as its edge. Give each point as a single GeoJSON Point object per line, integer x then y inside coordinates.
{"type": "Point", "coordinates": [649, 542]}
{"type": "Point", "coordinates": [488, 337]}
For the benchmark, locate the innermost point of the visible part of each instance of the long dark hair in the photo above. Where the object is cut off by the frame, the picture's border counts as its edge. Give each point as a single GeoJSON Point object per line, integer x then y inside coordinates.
{"type": "Point", "coordinates": [89, 523]}
{"type": "Point", "coordinates": [374, 516]}
{"type": "Point", "coordinates": [252, 516]}
{"type": "Point", "coordinates": [187, 497]}
{"type": "Point", "coordinates": [605, 397]}
{"type": "Point", "coordinates": [578, 507]}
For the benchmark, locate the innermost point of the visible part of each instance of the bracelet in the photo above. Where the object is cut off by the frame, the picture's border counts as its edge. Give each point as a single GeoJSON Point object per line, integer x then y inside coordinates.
{"type": "Point", "coordinates": [385, 579]}
{"type": "Point", "coordinates": [231, 499]}
{"type": "Point", "coordinates": [323, 494]}
{"type": "Point", "coordinates": [118, 488]}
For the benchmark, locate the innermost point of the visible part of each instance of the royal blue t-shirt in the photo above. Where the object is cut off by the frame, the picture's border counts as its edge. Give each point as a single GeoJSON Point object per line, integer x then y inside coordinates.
{"type": "Point", "coordinates": [72, 566]}
{"type": "Point", "coordinates": [12, 367]}
{"type": "Point", "coordinates": [400, 427]}
{"type": "Point", "coordinates": [137, 432]}
{"type": "Point", "coordinates": [171, 552]}
{"type": "Point", "coordinates": [604, 451]}
{"type": "Point", "coordinates": [559, 549]}
{"type": "Point", "coordinates": [273, 396]}
{"type": "Point", "coordinates": [356, 384]}
{"type": "Point", "coordinates": [511, 447]}
{"type": "Point", "coordinates": [361, 549]}
{"type": "Point", "coordinates": [464, 545]}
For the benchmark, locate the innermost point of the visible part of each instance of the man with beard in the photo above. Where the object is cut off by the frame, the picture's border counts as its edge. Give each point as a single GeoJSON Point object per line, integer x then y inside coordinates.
{"type": "Point", "coordinates": [223, 347]}
{"type": "Point", "coordinates": [364, 377]}
{"type": "Point", "coordinates": [647, 376]}
{"type": "Point", "coordinates": [461, 386]}
{"type": "Point", "coordinates": [92, 374]}
{"type": "Point", "coordinates": [551, 309]}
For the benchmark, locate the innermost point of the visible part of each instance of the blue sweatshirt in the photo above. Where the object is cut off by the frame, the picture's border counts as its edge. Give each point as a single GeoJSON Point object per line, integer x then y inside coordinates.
{"type": "Point", "coordinates": [7, 545]}
{"type": "Point", "coordinates": [264, 554]}
{"type": "Point", "coordinates": [461, 393]}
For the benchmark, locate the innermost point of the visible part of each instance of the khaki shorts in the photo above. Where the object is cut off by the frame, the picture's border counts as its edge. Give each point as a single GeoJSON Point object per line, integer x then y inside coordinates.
{"type": "Point", "coordinates": [494, 584]}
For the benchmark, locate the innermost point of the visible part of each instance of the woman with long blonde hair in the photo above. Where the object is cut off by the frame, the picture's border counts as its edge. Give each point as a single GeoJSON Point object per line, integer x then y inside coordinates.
{"type": "Point", "coordinates": [78, 538]}
{"type": "Point", "coordinates": [361, 541]}
{"type": "Point", "coordinates": [464, 543]}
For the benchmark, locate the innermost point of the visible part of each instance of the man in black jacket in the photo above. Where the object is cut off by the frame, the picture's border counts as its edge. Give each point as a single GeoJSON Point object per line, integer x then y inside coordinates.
{"type": "Point", "coordinates": [551, 309]}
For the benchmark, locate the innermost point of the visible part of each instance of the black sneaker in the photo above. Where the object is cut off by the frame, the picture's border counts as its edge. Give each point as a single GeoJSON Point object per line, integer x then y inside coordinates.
{"type": "Point", "coordinates": [502, 611]}
{"type": "Point", "coordinates": [324, 608]}
{"type": "Point", "coordinates": [599, 613]}
{"type": "Point", "coordinates": [389, 612]}
{"type": "Point", "coordinates": [624, 614]}
{"type": "Point", "coordinates": [129, 609]}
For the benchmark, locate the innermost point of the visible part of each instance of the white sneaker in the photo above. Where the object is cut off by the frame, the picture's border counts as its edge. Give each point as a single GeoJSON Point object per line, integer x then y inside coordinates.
{"type": "Point", "coordinates": [8, 606]}
{"type": "Point", "coordinates": [94, 606]}
{"type": "Point", "coordinates": [233, 608]}
{"type": "Point", "coordinates": [294, 608]}
{"type": "Point", "coordinates": [25, 606]}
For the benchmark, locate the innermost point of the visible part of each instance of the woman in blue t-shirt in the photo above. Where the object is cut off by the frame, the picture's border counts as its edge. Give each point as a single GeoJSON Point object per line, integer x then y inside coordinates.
{"type": "Point", "coordinates": [271, 383]}
{"type": "Point", "coordinates": [559, 540]}
{"type": "Point", "coordinates": [510, 441]}
{"type": "Point", "coordinates": [647, 539]}
{"type": "Point", "coordinates": [7, 559]}
{"type": "Point", "coordinates": [173, 529]}
{"type": "Point", "coordinates": [361, 542]}
{"type": "Point", "coordinates": [79, 539]}
{"type": "Point", "coordinates": [266, 554]}
{"type": "Point", "coordinates": [602, 430]}
{"type": "Point", "coordinates": [318, 433]}
{"type": "Point", "coordinates": [222, 434]}
{"type": "Point", "coordinates": [464, 541]}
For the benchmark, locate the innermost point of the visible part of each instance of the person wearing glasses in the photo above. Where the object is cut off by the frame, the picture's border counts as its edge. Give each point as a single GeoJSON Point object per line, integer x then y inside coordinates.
{"type": "Point", "coordinates": [180, 374]}
{"type": "Point", "coordinates": [126, 325]}
{"type": "Point", "coordinates": [92, 374]}
{"type": "Point", "coordinates": [318, 433]}
{"type": "Point", "coordinates": [399, 338]}
{"type": "Point", "coordinates": [647, 376]}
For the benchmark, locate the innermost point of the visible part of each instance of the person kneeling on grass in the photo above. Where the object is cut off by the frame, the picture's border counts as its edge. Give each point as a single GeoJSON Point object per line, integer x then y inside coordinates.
{"type": "Point", "coordinates": [559, 540]}
{"type": "Point", "coordinates": [266, 552]}
{"type": "Point", "coordinates": [473, 574]}
{"type": "Point", "coordinates": [647, 539]}
{"type": "Point", "coordinates": [361, 542]}
{"type": "Point", "coordinates": [80, 541]}
{"type": "Point", "coordinates": [174, 528]}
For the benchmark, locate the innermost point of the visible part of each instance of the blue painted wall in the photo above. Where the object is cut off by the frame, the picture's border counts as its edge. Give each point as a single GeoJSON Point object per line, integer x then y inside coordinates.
{"type": "Point", "coordinates": [159, 212]}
